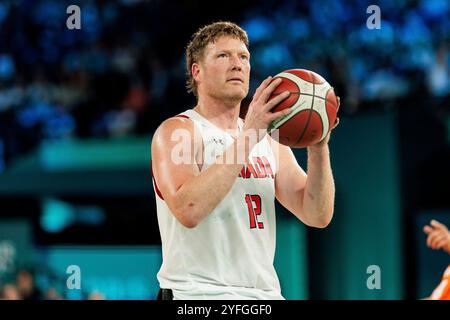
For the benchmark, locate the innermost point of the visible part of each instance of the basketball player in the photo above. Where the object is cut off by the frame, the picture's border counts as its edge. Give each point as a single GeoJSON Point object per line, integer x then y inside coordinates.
{"type": "Point", "coordinates": [439, 238]}
{"type": "Point", "coordinates": [216, 218]}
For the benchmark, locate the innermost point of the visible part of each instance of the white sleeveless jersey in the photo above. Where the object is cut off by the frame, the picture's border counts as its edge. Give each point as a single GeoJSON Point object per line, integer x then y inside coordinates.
{"type": "Point", "coordinates": [229, 254]}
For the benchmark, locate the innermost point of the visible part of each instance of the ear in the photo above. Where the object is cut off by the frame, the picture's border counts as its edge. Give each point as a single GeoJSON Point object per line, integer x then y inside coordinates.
{"type": "Point", "coordinates": [195, 69]}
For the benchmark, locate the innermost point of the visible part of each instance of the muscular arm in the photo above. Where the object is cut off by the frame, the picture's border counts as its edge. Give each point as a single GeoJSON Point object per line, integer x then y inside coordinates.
{"type": "Point", "coordinates": [191, 196]}
{"type": "Point", "coordinates": [318, 199]}
{"type": "Point", "coordinates": [310, 197]}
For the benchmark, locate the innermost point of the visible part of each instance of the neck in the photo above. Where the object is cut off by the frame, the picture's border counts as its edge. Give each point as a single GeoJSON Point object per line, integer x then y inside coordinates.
{"type": "Point", "coordinates": [223, 114]}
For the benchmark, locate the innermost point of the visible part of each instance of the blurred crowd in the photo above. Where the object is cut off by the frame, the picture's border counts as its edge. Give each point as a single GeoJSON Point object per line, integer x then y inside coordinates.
{"type": "Point", "coordinates": [123, 72]}
{"type": "Point", "coordinates": [24, 287]}
{"type": "Point", "coordinates": [408, 52]}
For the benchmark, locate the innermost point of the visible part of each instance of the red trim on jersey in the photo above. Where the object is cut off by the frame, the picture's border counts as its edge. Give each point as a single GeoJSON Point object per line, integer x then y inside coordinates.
{"type": "Point", "coordinates": [182, 116]}
{"type": "Point", "coordinates": [158, 192]}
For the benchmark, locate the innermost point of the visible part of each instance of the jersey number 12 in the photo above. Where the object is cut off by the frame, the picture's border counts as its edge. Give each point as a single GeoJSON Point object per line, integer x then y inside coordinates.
{"type": "Point", "coordinates": [254, 210]}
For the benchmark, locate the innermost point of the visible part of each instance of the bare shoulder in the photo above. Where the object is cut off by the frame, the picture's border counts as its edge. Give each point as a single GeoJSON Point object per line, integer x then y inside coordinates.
{"type": "Point", "coordinates": [177, 137]}
{"type": "Point", "coordinates": [170, 131]}
{"type": "Point", "coordinates": [169, 126]}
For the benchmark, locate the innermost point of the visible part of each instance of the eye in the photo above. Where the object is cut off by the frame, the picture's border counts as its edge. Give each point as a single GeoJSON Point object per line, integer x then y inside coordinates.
{"type": "Point", "coordinates": [244, 57]}
{"type": "Point", "coordinates": [222, 55]}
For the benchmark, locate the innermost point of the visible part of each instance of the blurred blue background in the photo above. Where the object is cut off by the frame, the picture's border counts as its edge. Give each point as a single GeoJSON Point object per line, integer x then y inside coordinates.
{"type": "Point", "coordinates": [78, 109]}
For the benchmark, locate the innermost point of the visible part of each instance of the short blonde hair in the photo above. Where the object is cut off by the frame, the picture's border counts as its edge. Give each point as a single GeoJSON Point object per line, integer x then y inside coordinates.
{"type": "Point", "coordinates": [204, 36]}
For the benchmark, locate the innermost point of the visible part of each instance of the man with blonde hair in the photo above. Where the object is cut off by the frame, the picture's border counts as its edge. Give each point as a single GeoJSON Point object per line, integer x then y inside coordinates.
{"type": "Point", "coordinates": [216, 214]}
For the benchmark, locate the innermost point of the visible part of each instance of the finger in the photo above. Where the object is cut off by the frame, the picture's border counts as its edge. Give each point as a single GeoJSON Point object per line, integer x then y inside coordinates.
{"type": "Point", "coordinates": [261, 87]}
{"type": "Point", "coordinates": [436, 241]}
{"type": "Point", "coordinates": [276, 100]}
{"type": "Point", "coordinates": [265, 94]}
{"type": "Point", "coordinates": [427, 229]}
{"type": "Point", "coordinates": [281, 113]}
{"type": "Point", "coordinates": [430, 238]}
{"type": "Point", "coordinates": [438, 225]}
{"type": "Point", "coordinates": [435, 237]}
{"type": "Point", "coordinates": [441, 243]}
{"type": "Point", "coordinates": [336, 122]}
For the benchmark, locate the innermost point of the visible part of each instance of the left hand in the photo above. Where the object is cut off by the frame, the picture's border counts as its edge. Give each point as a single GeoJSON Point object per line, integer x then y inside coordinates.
{"type": "Point", "coordinates": [325, 141]}
{"type": "Point", "coordinates": [438, 236]}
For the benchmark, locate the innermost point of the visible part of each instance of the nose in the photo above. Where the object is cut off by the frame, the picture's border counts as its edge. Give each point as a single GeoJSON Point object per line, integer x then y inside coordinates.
{"type": "Point", "coordinates": [236, 63]}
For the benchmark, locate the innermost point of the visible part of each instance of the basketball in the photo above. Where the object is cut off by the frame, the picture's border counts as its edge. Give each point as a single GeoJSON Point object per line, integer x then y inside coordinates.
{"type": "Point", "coordinates": [314, 108]}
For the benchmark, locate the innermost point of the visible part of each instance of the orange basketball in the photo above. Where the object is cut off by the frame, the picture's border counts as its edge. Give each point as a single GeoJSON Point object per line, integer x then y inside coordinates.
{"type": "Point", "coordinates": [314, 108]}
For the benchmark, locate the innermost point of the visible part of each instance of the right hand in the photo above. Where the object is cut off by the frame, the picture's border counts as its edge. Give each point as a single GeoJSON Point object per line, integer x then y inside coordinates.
{"type": "Point", "coordinates": [438, 236]}
{"type": "Point", "coordinates": [259, 116]}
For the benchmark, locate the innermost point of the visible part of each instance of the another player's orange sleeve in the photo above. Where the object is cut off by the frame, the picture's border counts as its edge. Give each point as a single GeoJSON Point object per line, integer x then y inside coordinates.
{"type": "Point", "coordinates": [442, 291]}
